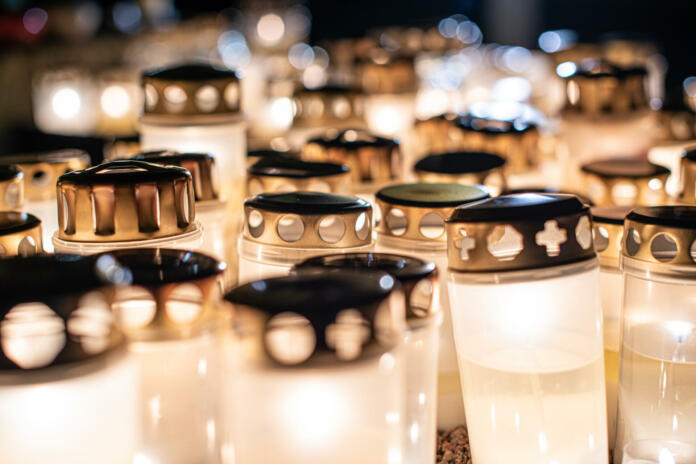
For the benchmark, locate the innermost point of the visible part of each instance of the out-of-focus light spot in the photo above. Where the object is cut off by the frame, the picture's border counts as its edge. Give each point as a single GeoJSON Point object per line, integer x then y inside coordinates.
{"type": "Point", "coordinates": [314, 76]}
{"type": "Point", "coordinates": [469, 33]}
{"type": "Point", "coordinates": [233, 49]}
{"type": "Point", "coordinates": [140, 458]}
{"type": "Point", "coordinates": [655, 103]}
{"type": "Point", "coordinates": [270, 28]}
{"type": "Point", "coordinates": [690, 86]}
{"type": "Point", "coordinates": [566, 69]}
{"type": "Point", "coordinates": [88, 16]}
{"type": "Point", "coordinates": [301, 56]}
{"type": "Point", "coordinates": [448, 28]}
{"type": "Point", "coordinates": [66, 103]}
{"type": "Point", "coordinates": [127, 17]}
{"type": "Point", "coordinates": [516, 59]}
{"type": "Point", "coordinates": [321, 57]}
{"type": "Point", "coordinates": [115, 101]}
{"type": "Point", "coordinates": [554, 41]}
{"type": "Point", "coordinates": [281, 113]}
{"type": "Point", "coordinates": [665, 456]}
{"type": "Point", "coordinates": [511, 89]}
{"type": "Point", "coordinates": [431, 102]}
{"type": "Point", "coordinates": [34, 20]}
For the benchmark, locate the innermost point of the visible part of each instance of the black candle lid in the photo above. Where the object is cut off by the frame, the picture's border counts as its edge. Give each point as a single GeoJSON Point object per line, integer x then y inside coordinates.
{"type": "Point", "coordinates": [51, 157]}
{"type": "Point", "coordinates": [428, 195]}
{"type": "Point", "coordinates": [190, 72]}
{"type": "Point", "coordinates": [353, 139]}
{"type": "Point", "coordinates": [403, 268]}
{"type": "Point", "coordinates": [157, 266]}
{"type": "Point", "coordinates": [125, 172]}
{"type": "Point", "coordinates": [12, 222]}
{"type": "Point", "coordinates": [683, 217]}
{"type": "Point", "coordinates": [493, 126]}
{"type": "Point", "coordinates": [521, 207]}
{"type": "Point", "coordinates": [307, 203]}
{"type": "Point", "coordinates": [459, 162]}
{"type": "Point", "coordinates": [624, 167]}
{"type": "Point", "coordinates": [9, 172]}
{"type": "Point", "coordinates": [550, 190]}
{"type": "Point", "coordinates": [295, 168]}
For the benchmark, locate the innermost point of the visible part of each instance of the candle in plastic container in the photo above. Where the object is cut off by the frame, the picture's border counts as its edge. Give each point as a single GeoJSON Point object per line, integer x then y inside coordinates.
{"type": "Point", "coordinates": [11, 188]}
{"type": "Point", "coordinates": [464, 167]}
{"type": "Point", "coordinates": [418, 281]}
{"type": "Point", "coordinates": [527, 322]}
{"type": "Point", "coordinates": [414, 224]}
{"type": "Point", "coordinates": [67, 389]}
{"type": "Point", "coordinates": [126, 204]}
{"type": "Point", "coordinates": [623, 182]}
{"type": "Point", "coordinates": [317, 373]}
{"type": "Point", "coordinates": [658, 351]}
{"type": "Point", "coordinates": [20, 234]}
{"type": "Point", "coordinates": [282, 229]}
{"type": "Point", "coordinates": [41, 171]}
{"type": "Point", "coordinates": [170, 318]}
{"type": "Point", "coordinates": [285, 174]}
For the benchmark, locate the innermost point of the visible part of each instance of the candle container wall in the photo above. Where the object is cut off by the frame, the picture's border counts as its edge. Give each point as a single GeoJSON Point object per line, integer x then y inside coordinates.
{"type": "Point", "coordinates": [120, 101]}
{"type": "Point", "coordinates": [464, 167]}
{"type": "Point", "coordinates": [526, 312]}
{"type": "Point", "coordinates": [658, 350]}
{"type": "Point", "coordinates": [20, 234]}
{"type": "Point", "coordinates": [195, 108]}
{"type": "Point", "coordinates": [170, 319]}
{"type": "Point", "coordinates": [623, 182]}
{"type": "Point", "coordinates": [607, 224]}
{"type": "Point", "coordinates": [282, 229]}
{"type": "Point", "coordinates": [67, 389]}
{"type": "Point", "coordinates": [418, 281]}
{"type": "Point", "coordinates": [284, 174]}
{"type": "Point", "coordinates": [40, 172]}
{"type": "Point", "coordinates": [414, 224]}
{"type": "Point", "coordinates": [687, 183]}
{"type": "Point", "coordinates": [435, 135]}
{"type": "Point", "coordinates": [11, 188]}
{"type": "Point", "coordinates": [317, 376]}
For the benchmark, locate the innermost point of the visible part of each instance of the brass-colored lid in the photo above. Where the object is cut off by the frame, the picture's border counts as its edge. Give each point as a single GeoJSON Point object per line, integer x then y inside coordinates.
{"type": "Point", "coordinates": [418, 278]}
{"type": "Point", "coordinates": [418, 211]}
{"type": "Point", "coordinates": [328, 105]}
{"type": "Point", "coordinates": [191, 90]}
{"type": "Point", "coordinates": [308, 220]}
{"type": "Point", "coordinates": [20, 234]}
{"type": "Point", "coordinates": [370, 158]}
{"type": "Point", "coordinates": [55, 316]}
{"type": "Point", "coordinates": [516, 232]}
{"type": "Point", "coordinates": [280, 174]}
{"type": "Point", "coordinates": [174, 293]}
{"type": "Point", "coordinates": [647, 179]}
{"type": "Point", "coordinates": [607, 222]}
{"type": "Point", "coordinates": [42, 170]}
{"type": "Point", "coordinates": [317, 320]}
{"type": "Point", "coordinates": [383, 73]}
{"type": "Point", "coordinates": [435, 135]}
{"type": "Point", "coordinates": [11, 188]}
{"type": "Point", "coordinates": [200, 165]}
{"type": "Point", "coordinates": [515, 140]}
{"type": "Point", "coordinates": [598, 87]}
{"type": "Point", "coordinates": [687, 187]}
{"type": "Point", "coordinates": [462, 167]}
{"type": "Point", "coordinates": [125, 200]}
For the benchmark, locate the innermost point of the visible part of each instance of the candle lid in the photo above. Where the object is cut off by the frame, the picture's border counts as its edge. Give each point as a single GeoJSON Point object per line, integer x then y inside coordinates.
{"type": "Point", "coordinates": [687, 187]}
{"type": "Point", "coordinates": [42, 170]}
{"type": "Point", "coordinates": [256, 155]}
{"type": "Point", "coordinates": [418, 211]}
{"type": "Point", "coordinates": [173, 293]}
{"type": "Point", "coordinates": [369, 157]}
{"type": "Point", "coordinates": [319, 319]}
{"type": "Point", "coordinates": [198, 90]}
{"type": "Point", "coordinates": [327, 105]}
{"type": "Point", "coordinates": [125, 200]}
{"type": "Point", "coordinates": [644, 181]}
{"type": "Point", "coordinates": [200, 165]}
{"type": "Point", "coordinates": [62, 323]}
{"type": "Point", "coordinates": [385, 73]}
{"type": "Point", "coordinates": [608, 224]}
{"type": "Point", "coordinates": [551, 190]}
{"type": "Point", "coordinates": [11, 187]}
{"type": "Point", "coordinates": [20, 234]}
{"type": "Point", "coordinates": [308, 220]}
{"type": "Point", "coordinates": [418, 278]}
{"type": "Point", "coordinates": [515, 232]}
{"type": "Point", "coordinates": [281, 174]}
{"type": "Point", "coordinates": [661, 235]}
{"type": "Point", "coordinates": [463, 166]}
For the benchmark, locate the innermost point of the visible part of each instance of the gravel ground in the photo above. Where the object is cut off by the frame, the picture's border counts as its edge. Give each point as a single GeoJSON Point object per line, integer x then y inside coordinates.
{"type": "Point", "coordinates": [453, 447]}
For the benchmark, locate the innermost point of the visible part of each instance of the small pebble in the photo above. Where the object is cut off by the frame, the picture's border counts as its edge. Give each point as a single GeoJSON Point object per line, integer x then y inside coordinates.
{"type": "Point", "coordinates": [453, 447]}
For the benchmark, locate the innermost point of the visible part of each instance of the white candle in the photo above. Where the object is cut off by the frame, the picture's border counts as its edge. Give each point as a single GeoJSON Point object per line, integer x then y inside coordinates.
{"type": "Point", "coordinates": [653, 451]}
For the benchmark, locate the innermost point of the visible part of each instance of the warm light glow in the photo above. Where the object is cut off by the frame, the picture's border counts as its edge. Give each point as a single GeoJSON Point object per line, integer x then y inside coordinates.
{"type": "Point", "coordinates": [313, 413]}
{"type": "Point", "coordinates": [665, 457]}
{"type": "Point", "coordinates": [279, 113]}
{"type": "Point", "coordinates": [386, 120]}
{"type": "Point", "coordinates": [511, 89]}
{"type": "Point", "coordinates": [115, 101]}
{"type": "Point", "coordinates": [66, 103]}
{"type": "Point", "coordinates": [270, 28]}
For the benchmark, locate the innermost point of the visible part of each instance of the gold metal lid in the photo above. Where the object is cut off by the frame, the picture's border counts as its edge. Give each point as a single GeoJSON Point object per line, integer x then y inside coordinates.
{"type": "Point", "coordinates": [607, 231]}
{"type": "Point", "coordinates": [625, 181]}
{"type": "Point", "coordinates": [11, 188]}
{"type": "Point", "coordinates": [419, 211]}
{"type": "Point", "coordinates": [515, 232]}
{"type": "Point", "coordinates": [20, 234]}
{"type": "Point", "coordinates": [328, 105]}
{"type": "Point", "coordinates": [173, 295]}
{"type": "Point", "coordinates": [125, 200]}
{"type": "Point", "coordinates": [418, 278]}
{"type": "Point", "coordinates": [55, 318]}
{"type": "Point", "coordinates": [387, 73]}
{"type": "Point", "coordinates": [191, 90]}
{"type": "Point", "coordinates": [598, 87]}
{"type": "Point", "coordinates": [42, 170]}
{"type": "Point", "coordinates": [200, 165]}
{"type": "Point", "coordinates": [318, 320]}
{"type": "Point", "coordinates": [687, 187]}
{"type": "Point", "coordinates": [463, 167]}
{"type": "Point", "coordinates": [435, 135]}
{"type": "Point", "coordinates": [280, 174]}
{"type": "Point", "coordinates": [370, 158]}
{"type": "Point", "coordinates": [308, 220]}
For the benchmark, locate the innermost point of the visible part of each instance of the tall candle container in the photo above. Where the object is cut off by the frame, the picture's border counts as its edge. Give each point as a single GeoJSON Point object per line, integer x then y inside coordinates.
{"type": "Point", "coordinates": [418, 281]}
{"type": "Point", "coordinates": [687, 178]}
{"type": "Point", "coordinates": [463, 167]}
{"type": "Point", "coordinates": [317, 376]}
{"type": "Point", "coordinates": [623, 182]}
{"type": "Point", "coordinates": [414, 224]}
{"type": "Point", "coordinates": [282, 229]}
{"type": "Point", "coordinates": [11, 188]}
{"type": "Point", "coordinates": [67, 391]}
{"type": "Point", "coordinates": [41, 171]}
{"type": "Point", "coordinates": [195, 108]}
{"type": "Point", "coordinates": [283, 174]}
{"type": "Point", "coordinates": [126, 204]}
{"type": "Point", "coordinates": [20, 234]}
{"type": "Point", "coordinates": [607, 230]}
{"type": "Point", "coordinates": [527, 318]}
{"type": "Point", "coordinates": [170, 319]}
{"type": "Point", "coordinates": [658, 360]}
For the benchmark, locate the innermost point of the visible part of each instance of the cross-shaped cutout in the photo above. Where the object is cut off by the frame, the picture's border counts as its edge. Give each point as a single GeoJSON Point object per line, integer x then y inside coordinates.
{"type": "Point", "coordinates": [464, 244]}
{"type": "Point", "coordinates": [551, 237]}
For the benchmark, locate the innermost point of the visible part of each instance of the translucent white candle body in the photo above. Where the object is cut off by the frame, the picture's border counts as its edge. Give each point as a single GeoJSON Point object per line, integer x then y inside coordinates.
{"type": "Point", "coordinates": [611, 287]}
{"type": "Point", "coordinates": [529, 345]}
